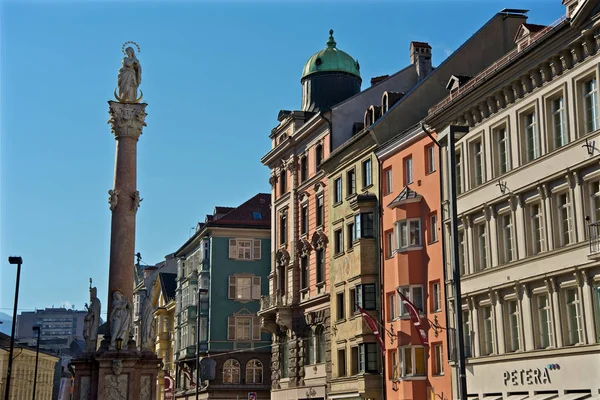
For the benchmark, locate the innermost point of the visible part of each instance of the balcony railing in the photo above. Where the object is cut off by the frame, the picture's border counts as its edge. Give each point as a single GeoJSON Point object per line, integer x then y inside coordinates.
{"type": "Point", "coordinates": [594, 238]}
{"type": "Point", "coordinates": [272, 301]}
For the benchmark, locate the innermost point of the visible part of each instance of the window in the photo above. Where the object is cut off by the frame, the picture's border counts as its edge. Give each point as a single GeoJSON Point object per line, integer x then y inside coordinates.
{"type": "Point", "coordinates": [243, 327]}
{"type": "Point", "coordinates": [590, 100]}
{"type": "Point", "coordinates": [363, 224]}
{"type": "Point", "coordinates": [318, 155]}
{"type": "Point", "coordinates": [244, 249]}
{"type": "Point", "coordinates": [392, 306]}
{"type": "Point", "coordinates": [352, 298]}
{"type": "Point", "coordinates": [366, 296]}
{"type": "Point", "coordinates": [536, 242]}
{"type": "Point", "coordinates": [433, 228]}
{"type": "Point", "coordinates": [231, 371]}
{"type": "Point", "coordinates": [320, 211]}
{"type": "Point", "coordinates": [543, 316]}
{"type": "Point", "coordinates": [415, 295]}
{"type": "Point", "coordinates": [393, 365]}
{"type": "Point", "coordinates": [532, 147]}
{"type": "Point", "coordinates": [572, 306]}
{"type": "Point", "coordinates": [388, 180]}
{"type": "Point", "coordinates": [505, 236]}
{"type": "Point", "coordinates": [477, 163]}
{"type": "Point", "coordinates": [563, 220]}
{"type": "Point", "coordinates": [408, 171]}
{"type": "Point", "coordinates": [341, 308]}
{"type": "Point", "coordinates": [303, 168]}
{"type": "Point", "coordinates": [480, 231]}
{"type": "Point", "coordinates": [254, 372]}
{"type": "Point", "coordinates": [558, 123]}
{"type": "Point", "coordinates": [367, 173]}
{"type": "Point", "coordinates": [341, 362]}
{"type": "Point", "coordinates": [513, 316]}
{"type": "Point", "coordinates": [459, 184]}
{"type": "Point", "coordinates": [436, 297]}
{"type": "Point", "coordinates": [283, 229]}
{"type": "Point", "coordinates": [338, 241]}
{"type": "Point", "coordinates": [430, 155]}
{"type": "Point", "coordinates": [467, 333]}
{"type": "Point", "coordinates": [284, 357]}
{"type": "Point", "coordinates": [412, 360]}
{"type": "Point", "coordinates": [244, 287]}
{"type": "Point", "coordinates": [367, 357]}
{"type": "Point", "coordinates": [409, 233]}
{"type": "Point", "coordinates": [320, 339]}
{"type": "Point", "coordinates": [438, 359]}
{"type": "Point", "coordinates": [320, 265]}
{"type": "Point", "coordinates": [354, 360]}
{"type": "Point", "coordinates": [310, 347]}
{"type": "Point", "coordinates": [501, 150]}
{"type": "Point", "coordinates": [282, 182]}
{"type": "Point", "coordinates": [487, 326]}
{"type": "Point", "coordinates": [304, 219]}
{"type": "Point", "coordinates": [303, 272]}
{"type": "Point", "coordinates": [596, 308]}
{"type": "Point", "coordinates": [594, 193]}
{"type": "Point", "coordinates": [337, 194]}
{"type": "Point", "coordinates": [351, 182]}
{"type": "Point", "coordinates": [351, 235]}
{"type": "Point", "coordinates": [389, 244]}
{"type": "Point", "coordinates": [462, 246]}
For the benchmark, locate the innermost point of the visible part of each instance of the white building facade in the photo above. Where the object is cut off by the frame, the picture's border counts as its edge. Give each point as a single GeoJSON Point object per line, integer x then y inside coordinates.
{"type": "Point", "coordinates": [528, 183]}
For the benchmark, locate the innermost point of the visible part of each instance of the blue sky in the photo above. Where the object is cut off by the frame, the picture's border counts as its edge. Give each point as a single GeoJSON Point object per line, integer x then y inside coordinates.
{"type": "Point", "coordinates": [215, 75]}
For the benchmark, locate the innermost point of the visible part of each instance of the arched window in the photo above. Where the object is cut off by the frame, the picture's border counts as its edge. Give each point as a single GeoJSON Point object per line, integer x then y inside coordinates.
{"type": "Point", "coordinates": [231, 371]}
{"type": "Point", "coordinates": [320, 339]}
{"type": "Point", "coordinates": [310, 347]}
{"type": "Point", "coordinates": [254, 372]}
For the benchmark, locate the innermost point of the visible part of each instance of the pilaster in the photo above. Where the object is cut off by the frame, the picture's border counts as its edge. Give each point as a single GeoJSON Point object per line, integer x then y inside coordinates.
{"type": "Point", "coordinates": [553, 288]}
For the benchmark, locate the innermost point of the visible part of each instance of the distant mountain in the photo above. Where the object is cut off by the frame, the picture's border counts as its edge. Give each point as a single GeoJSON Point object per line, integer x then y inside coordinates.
{"type": "Point", "coordinates": [6, 324]}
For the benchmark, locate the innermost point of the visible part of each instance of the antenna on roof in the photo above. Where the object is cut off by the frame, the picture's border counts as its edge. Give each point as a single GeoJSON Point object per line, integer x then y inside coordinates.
{"type": "Point", "coordinates": [191, 231]}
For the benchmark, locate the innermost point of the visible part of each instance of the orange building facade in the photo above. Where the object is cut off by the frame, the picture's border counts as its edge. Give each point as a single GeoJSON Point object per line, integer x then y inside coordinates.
{"type": "Point", "coordinates": [412, 264]}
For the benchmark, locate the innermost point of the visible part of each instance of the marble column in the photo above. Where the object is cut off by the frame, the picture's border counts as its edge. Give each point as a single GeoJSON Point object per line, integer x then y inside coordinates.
{"type": "Point", "coordinates": [127, 122]}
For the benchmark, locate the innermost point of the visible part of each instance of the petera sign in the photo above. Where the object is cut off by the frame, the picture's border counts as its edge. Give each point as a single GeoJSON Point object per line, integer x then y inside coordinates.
{"type": "Point", "coordinates": [530, 376]}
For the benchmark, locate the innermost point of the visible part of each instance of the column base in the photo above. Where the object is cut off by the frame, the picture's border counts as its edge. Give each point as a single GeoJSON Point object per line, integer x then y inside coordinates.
{"type": "Point", "coordinates": [116, 375]}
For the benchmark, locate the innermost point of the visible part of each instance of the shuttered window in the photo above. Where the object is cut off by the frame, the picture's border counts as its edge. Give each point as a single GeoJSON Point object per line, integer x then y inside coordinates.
{"type": "Point", "coordinates": [244, 249]}
{"type": "Point", "coordinates": [246, 287]}
{"type": "Point", "coordinates": [243, 327]}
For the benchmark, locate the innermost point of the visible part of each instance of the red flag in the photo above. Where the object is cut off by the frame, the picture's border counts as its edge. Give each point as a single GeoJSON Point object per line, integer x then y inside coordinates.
{"type": "Point", "coordinates": [414, 317]}
{"type": "Point", "coordinates": [373, 325]}
{"type": "Point", "coordinates": [188, 375]}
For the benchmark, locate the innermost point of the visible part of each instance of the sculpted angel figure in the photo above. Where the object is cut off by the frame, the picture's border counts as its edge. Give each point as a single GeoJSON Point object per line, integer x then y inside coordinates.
{"type": "Point", "coordinates": [148, 321]}
{"type": "Point", "coordinates": [92, 320]}
{"type": "Point", "coordinates": [130, 77]}
{"type": "Point", "coordinates": [120, 319]}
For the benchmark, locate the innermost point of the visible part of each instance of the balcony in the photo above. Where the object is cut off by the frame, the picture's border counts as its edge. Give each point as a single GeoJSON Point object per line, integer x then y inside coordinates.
{"type": "Point", "coordinates": [275, 310]}
{"type": "Point", "coordinates": [594, 240]}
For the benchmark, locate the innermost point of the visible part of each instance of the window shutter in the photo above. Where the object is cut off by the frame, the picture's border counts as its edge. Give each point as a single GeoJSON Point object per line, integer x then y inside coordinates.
{"type": "Point", "coordinates": [256, 288]}
{"type": "Point", "coordinates": [256, 255]}
{"type": "Point", "coordinates": [357, 226]}
{"type": "Point", "coordinates": [232, 282]}
{"type": "Point", "coordinates": [230, 328]}
{"type": "Point", "coordinates": [255, 328]}
{"type": "Point", "coordinates": [232, 248]}
{"type": "Point", "coordinates": [359, 296]}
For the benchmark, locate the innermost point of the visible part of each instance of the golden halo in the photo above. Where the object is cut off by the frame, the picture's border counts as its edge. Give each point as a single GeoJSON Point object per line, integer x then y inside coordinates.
{"type": "Point", "coordinates": [130, 42]}
{"type": "Point", "coordinates": [128, 102]}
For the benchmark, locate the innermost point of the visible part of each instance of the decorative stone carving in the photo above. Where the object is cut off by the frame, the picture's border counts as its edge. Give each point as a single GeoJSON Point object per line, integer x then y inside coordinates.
{"type": "Point", "coordinates": [513, 201]}
{"type": "Point", "coordinates": [92, 320]}
{"type": "Point", "coordinates": [113, 198]}
{"type": "Point", "coordinates": [526, 83]}
{"type": "Point", "coordinates": [115, 385]}
{"type": "Point", "coordinates": [500, 100]}
{"type": "Point", "coordinates": [492, 105]}
{"type": "Point", "coordinates": [85, 388]}
{"type": "Point", "coordinates": [120, 319]}
{"type": "Point", "coordinates": [319, 240]}
{"type": "Point", "coordinates": [126, 120]}
{"type": "Point", "coordinates": [303, 248]}
{"type": "Point", "coordinates": [282, 257]}
{"type": "Point", "coordinates": [577, 53]}
{"type": "Point", "coordinates": [146, 387]}
{"type": "Point", "coordinates": [545, 72]}
{"type": "Point", "coordinates": [135, 196]}
{"type": "Point", "coordinates": [517, 88]}
{"type": "Point", "coordinates": [551, 285]}
{"type": "Point", "coordinates": [484, 110]}
{"type": "Point", "coordinates": [556, 65]}
{"type": "Point", "coordinates": [130, 76]}
{"type": "Point", "coordinates": [536, 78]}
{"type": "Point", "coordinates": [273, 180]}
{"type": "Point", "coordinates": [147, 321]}
{"type": "Point", "coordinates": [542, 190]}
{"type": "Point", "coordinates": [589, 47]}
{"type": "Point", "coordinates": [509, 94]}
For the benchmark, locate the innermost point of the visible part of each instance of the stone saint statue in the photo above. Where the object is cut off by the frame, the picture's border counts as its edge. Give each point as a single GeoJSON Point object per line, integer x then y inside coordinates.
{"type": "Point", "coordinates": [92, 320]}
{"type": "Point", "coordinates": [147, 337]}
{"type": "Point", "coordinates": [130, 77]}
{"type": "Point", "coordinates": [120, 319]}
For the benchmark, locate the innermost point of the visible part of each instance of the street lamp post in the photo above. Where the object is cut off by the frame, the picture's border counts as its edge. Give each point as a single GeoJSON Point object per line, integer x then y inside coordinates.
{"type": "Point", "coordinates": [37, 329]}
{"type": "Point", "coordinates": [201, 291]}
{"type": "Point", "coordinates": [14, 261]}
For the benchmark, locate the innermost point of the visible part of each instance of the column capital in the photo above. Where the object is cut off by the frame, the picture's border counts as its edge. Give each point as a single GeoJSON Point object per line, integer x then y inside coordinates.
{"type": "Point", "coordinates": [127, 120]}
{"type": "Point", "coordinates": [551, 285]}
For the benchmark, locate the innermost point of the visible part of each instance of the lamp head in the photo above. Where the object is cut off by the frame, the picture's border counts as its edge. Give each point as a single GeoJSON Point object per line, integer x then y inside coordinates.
{"type": "Point", "coordinates": [15, 260]}
{"type": "Point", "coordinates": [119, 344]}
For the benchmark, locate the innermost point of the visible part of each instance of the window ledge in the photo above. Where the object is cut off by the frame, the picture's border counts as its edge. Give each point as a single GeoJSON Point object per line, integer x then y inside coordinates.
{"type": "Point", "coordinates": [413, 378]}
{"type": "Point", "coordinates": [434, 241]}
{"type": "Point", "coordinates": [338, 255]}
{"type": "Point", "coordinates": [409, 248]}
{"type": "Point", "coordinates": [369, 186]}
{"type": "Point", "coordinates": [336, 204]}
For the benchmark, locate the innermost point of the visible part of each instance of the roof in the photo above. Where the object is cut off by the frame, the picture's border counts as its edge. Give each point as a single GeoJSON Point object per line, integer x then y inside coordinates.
{"type": "Point", "coordinates": [168, 284]}
{"type": "Point", "coordinates": [406, 195]}
{"type": "Point", "coordinates": [420, 44]}
{"type": "Point", "coordinates": [526, 30]}
{"type": "Point", "coordinates": [223, 210]}
{"type": "Point", "coordinates": [331, 59]}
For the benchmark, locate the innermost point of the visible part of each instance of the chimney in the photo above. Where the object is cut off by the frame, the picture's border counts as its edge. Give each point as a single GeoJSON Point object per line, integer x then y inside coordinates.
{"type": "Point", "coordinates": [420, 57]}
{"type": "Point", "coordinates": [377, 79]}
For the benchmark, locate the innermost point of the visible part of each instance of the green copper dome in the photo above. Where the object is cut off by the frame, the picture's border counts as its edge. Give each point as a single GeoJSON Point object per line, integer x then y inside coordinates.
{"type": "Point", "coordinates": [331, 60]}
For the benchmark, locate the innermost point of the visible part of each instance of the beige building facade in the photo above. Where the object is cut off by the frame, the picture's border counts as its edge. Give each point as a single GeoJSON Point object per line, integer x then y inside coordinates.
{"type": "Point", "coordinates": [528, 183]}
